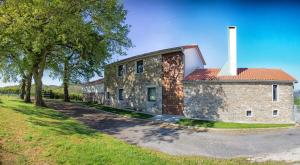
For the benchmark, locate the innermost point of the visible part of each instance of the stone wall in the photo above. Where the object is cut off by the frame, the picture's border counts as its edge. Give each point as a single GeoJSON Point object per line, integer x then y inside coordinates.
{"type": "Point", "coordinates": [230, 101]}
{"type": "Point", "coordinates": [93, 93]}
{"type": "Point", "coordinates": [94, 97]}
{"type": "Point", "coordinates": [135, 85]}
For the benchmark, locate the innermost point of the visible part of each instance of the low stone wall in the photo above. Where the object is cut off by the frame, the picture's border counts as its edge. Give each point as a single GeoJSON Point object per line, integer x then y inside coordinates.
{"type": "Point", "coordinates": [230, 101]}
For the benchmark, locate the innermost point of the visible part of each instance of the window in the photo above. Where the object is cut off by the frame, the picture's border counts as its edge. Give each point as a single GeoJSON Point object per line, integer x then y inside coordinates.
{"type": "Point", "coordinates": [275, 92]}
{"type": "Point", "coordinates": [139, 66]}
{"type": "Point", "coordinates": [151, 94]}
{"type": "Point", "coordinates": [275, 113]}
{"type": "Point", "coordinates": [120, 70]}
{"type": "Point", "coordinates": [107, 95]}
{"type": "Point", "coordinates": [249, 113]}
{"type": "Point", "coordinates": [121, 94]}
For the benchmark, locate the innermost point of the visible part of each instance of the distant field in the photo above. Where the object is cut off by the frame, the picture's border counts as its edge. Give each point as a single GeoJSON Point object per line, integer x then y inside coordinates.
{"type": "Point", "coordinates": [73, 89]}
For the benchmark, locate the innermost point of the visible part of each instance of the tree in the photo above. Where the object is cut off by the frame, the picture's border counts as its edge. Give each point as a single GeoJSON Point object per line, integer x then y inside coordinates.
{"type": "Point", "coordinates": [39, 28]}
{"type": "Point", "coordinates": [13, 67]}
{"type": "Point", "coordinates": [71, 68]}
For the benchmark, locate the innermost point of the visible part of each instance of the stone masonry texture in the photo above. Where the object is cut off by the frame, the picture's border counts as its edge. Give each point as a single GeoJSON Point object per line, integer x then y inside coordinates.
{"type": "Point", "coordinates": [228, 101]}
{"type": "Point", "coordinates": [135, 85]}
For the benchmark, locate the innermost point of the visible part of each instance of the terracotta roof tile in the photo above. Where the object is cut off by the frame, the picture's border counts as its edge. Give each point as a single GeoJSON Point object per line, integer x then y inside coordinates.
{"type": "Point", "coordinates": [244, 74]}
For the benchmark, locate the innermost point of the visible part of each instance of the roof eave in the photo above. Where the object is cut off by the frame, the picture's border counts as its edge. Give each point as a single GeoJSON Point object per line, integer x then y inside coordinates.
{"type": "Point", "coordinates": [144, 55]}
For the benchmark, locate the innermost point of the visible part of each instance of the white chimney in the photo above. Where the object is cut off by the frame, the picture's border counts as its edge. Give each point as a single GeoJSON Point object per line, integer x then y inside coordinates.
{"type": "Point", "coordinates": [232, 50]}
{"type": "Point", "coordinates": [230, 67]}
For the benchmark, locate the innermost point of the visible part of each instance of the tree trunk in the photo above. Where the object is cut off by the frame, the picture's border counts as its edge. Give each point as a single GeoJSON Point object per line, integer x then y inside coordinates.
{"type": "Point", "coordinates": [38, 71]}
{"type": "Point", "coordinates": [28, 88]}
{"type": "Point", "coordinates": [66, 80]}
{"type": "Point", "coordinates": [23, 86]}
{"type": "Point", "coordinates": [37, 76]}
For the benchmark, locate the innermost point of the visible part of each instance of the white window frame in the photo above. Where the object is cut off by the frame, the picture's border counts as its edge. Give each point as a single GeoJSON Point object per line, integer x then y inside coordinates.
{"type": "Point", "coordinates": [250, 111]}
{"type": "Point", "coordinates": [118, 92]}
{"type": "Point", "coordinates": [136, 67]}
{"type": "Point", "coordinates": [273, 112]}
{"type": "Point", "coordinates": [277, 93]}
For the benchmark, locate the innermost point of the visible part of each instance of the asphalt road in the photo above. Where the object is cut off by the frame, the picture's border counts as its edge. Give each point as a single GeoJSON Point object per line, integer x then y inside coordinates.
{"type": "Point", "coordinates": [259, 145]}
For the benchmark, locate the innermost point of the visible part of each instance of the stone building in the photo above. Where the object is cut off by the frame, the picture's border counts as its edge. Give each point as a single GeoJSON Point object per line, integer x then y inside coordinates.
{"type": "Point", "coordinates": [253, 95]}
{"type": "Point", "coordinates": [94, 91]}
{"type": "Point", "coordinates": [149, 81]}
{"type": "Point", "coordinates": [175, 82]}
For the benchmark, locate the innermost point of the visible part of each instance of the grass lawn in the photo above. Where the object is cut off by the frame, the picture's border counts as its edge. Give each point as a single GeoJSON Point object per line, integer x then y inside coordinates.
{"type": "Point", "coordinates": [31, 135]}
{"type": "Point", "coordinates": [123, 112]}
{"type": "Point", "coordinates": [218, 124]}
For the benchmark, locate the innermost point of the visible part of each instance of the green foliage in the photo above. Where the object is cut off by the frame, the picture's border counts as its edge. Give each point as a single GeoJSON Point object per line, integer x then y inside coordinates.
{"type": "Point", "coordinates": [297, 101]}
{"type": "Point", "coordinates": [219, 124]}
{"type": "Point", "coordinates": [60, 95]}
{"type": "Point", "coordinates": [43, 31]}
{"type": "Point", "coordinates": [10, 90]}
{"type": "Point", "coordinates": [44, 136]}
{"type": "Point", "coordinates": [75, 91]}
{"type": "Point", "coordinates": [93, 29]}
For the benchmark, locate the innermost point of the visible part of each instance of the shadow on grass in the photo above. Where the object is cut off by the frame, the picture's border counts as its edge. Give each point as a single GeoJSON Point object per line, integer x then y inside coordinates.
{"type": "Point", "coordinates": [53, 120]}
{"type": "Point", "coordinates": [64, 127]}
{"type": "Point", "coordinates": [120, 111]}
{"type": "Point", "coordinates": [39, 112]}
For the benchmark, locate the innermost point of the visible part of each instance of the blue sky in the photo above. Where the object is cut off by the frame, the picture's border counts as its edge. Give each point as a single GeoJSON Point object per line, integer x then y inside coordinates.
{"type": "Point", "coordinates": [268, 32]}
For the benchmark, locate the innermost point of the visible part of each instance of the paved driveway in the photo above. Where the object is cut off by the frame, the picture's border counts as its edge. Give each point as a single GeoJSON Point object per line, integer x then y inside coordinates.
{"type": "Point", "coordinates": [280, 144]}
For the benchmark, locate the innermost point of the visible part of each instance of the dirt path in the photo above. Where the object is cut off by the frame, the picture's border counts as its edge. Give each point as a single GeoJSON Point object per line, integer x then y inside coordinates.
{"type": "Point", "coordinates": [281, 144]}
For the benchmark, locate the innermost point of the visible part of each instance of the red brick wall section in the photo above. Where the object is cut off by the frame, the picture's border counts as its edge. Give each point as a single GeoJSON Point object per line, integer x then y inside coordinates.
{"type": "Point", "coordinates": [172, 82]}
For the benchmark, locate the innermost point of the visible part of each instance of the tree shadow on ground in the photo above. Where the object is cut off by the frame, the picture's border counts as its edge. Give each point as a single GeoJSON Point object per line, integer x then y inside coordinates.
{"type": "Point", "coordinates": [128, 129]}
{"type": "Point", "coordinates": [166, 134]}
{"type": "Point", "coordinates": [134, 130]}
{"type": "Point", "coordinates": [53, 120]}
{"type": "Point", "coordinates": [64, 127]}
{"type": "Point", "coordinates": [39, 112]}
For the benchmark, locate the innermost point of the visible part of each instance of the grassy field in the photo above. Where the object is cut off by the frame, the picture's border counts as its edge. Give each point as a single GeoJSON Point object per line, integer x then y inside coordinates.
{"type": "Point", "coordinates": [31, 135]}
{"type": "Point", "coordinates": [119, 111]}
{"type": "Point", "coordinates": [218, 124]}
